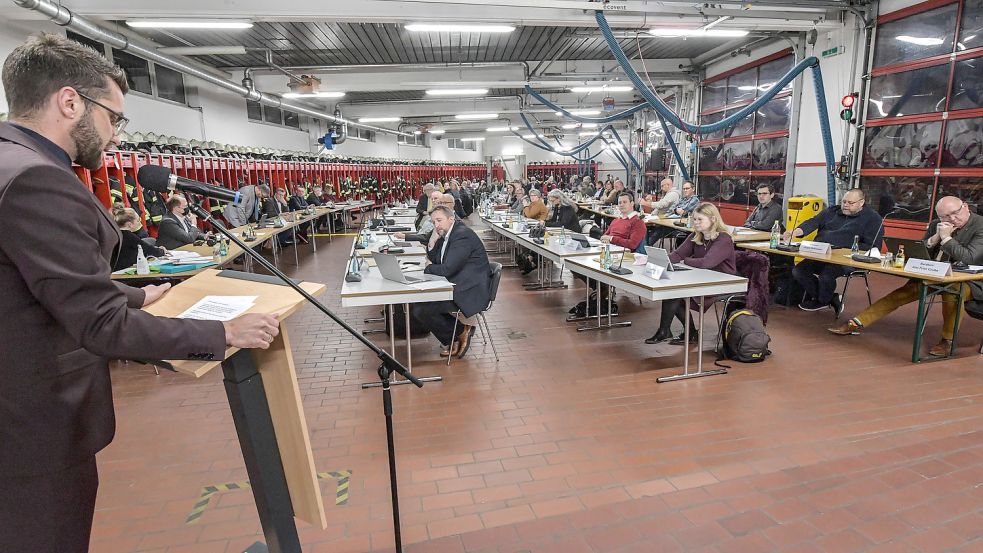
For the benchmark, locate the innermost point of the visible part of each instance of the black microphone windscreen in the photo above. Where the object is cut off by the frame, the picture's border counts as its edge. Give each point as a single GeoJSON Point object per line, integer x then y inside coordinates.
{"type": "Point", "coordinates": [154, 177]}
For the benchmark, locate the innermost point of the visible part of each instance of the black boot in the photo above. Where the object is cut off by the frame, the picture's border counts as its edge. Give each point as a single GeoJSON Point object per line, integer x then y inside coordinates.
{"type": "Point", "coordinates": [660, 336]}
{"type": "Point", "coordinates": [694, 337]}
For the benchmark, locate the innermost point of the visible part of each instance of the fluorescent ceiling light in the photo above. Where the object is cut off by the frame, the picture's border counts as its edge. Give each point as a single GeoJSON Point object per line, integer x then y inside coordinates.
{"type": "Point", "coordinates": [602, 88]}
{"type": "Point", "coordinates": [473, 139]}
{"type": "Point", "coordinates": [588, 133]}
{"type": "Point", "coordinates": [579, 112]}
{"type": "Point", "coordinates": [475, 116]}
{"type": "Point", "coordinates": [500, 129]}
{"type": "Point", "coordinates": [326, 94]}
{"type": "Point", "coordinates": [528, 136]}
{"type": "Point", "coordinates": [697, 33]}
{"type": "Point", "coordinates": [457, 92]}
{"type": "Point", "coordinates": [456, 28]}
{"type": "Point", "coordinates": [436, 131]}
{"type": "Point", "coordinates": [920, 40]}
{"type": "Point", "coordinates": [189, 24]}
{"type": "Point", "coordinates": [579, 125]}
{"type": "Point", "coordinates": [417, 132]}
{"type": "Point", "coordinates": [378, 119]}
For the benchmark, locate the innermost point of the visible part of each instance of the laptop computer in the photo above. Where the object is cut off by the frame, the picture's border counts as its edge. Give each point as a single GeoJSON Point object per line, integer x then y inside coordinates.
{"type": "Point", "coordinates": [660, 257]}
{"type": "Point", "coordinates": [389, 268]}
{"type": "Point", "coordinates": [913, 249]}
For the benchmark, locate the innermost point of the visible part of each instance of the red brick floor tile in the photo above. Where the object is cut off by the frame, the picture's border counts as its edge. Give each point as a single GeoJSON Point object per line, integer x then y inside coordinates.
{"type": "Point", "coordinates": [828, 447]}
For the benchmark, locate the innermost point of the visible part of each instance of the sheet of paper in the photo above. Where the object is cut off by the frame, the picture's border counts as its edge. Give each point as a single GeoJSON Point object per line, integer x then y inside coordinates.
{"type": "Point", "coordinates": [218, 308]}
{"type": "Point", "coordinates": [431, 284]}
{"type": "Point", "coordinates": [181, 254]}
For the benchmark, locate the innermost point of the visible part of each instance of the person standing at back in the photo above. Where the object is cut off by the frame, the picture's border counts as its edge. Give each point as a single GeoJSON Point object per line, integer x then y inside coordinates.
{"type": "Point", "coordinates": [64, 318]}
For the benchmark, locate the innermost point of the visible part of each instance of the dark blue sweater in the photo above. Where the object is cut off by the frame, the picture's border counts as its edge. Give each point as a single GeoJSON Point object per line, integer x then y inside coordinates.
{"type": "Point", "coordinates": [838, 229]}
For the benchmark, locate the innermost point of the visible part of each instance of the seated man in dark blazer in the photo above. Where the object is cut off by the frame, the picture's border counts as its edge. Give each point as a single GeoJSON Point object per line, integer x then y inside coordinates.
{"type": "Point", "coordinates": [460, 257]}
{"type": "Point", "coordinates": [177, 228]}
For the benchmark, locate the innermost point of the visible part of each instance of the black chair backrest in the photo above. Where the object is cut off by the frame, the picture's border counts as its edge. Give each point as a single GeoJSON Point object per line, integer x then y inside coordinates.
{"type": "Point", "coordinates": [496, 278]}
{"type": "Point", "coordinates": [974, 308]}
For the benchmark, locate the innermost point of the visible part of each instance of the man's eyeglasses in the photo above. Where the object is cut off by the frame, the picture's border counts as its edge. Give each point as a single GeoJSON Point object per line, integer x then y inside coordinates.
{"type": "Point", "coordinates": [848, 202]}
{"type": "Point", "coordinates": [952, 214]}
{"type": "Point", "coordinates": [118, 120]}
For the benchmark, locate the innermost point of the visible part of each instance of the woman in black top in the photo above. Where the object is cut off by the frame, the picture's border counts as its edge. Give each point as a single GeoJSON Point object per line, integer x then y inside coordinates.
{"type": "Point", "coordinates": [129, 224]}
{"type": "Point", "coordinates": [563, 212]}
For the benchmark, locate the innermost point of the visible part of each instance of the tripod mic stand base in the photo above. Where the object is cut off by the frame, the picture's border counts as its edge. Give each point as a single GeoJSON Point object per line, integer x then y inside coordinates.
{"type": "Point", "coordinates": [398, 382]}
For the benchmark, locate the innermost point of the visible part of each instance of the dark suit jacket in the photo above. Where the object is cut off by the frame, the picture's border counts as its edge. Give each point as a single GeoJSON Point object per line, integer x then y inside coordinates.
{"type": "Point", "coordinates": [272, 208]}
{"type": "Point", "coordinates": [314, 200]}
{"type": "Point", "coordinates": [127, 256]}
{"type": "Point", "coordinates": [421, 205]}
{"type": "Point", "coordinates": [465, 264]}
{"type": "Point", "coordinates": [297, 203]}
{"type": "Point", "coordinates": [63, 316]}
{"type": "Point", "coordinates": [171, 233]}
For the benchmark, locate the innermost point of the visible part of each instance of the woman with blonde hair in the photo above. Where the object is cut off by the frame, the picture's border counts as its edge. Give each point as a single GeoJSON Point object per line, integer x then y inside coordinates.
{"type": "Point", "coordinates": [128, 222]}
{"type": "Point", "coordinates": [709, 246]}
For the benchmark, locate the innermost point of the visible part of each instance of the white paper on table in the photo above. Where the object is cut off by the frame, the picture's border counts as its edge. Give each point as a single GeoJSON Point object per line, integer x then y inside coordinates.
{"type": "Point", "coordinates": [181, 254]}
{"type": "Point", "coordinates": [218, 308]}
{"type": "Point", "coordinates": [194, 260]}
{"type": "Point", "coordinates": [431, 284]}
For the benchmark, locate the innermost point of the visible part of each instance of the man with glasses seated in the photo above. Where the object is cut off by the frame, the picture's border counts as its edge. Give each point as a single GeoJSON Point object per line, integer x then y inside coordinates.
{"type": "Point", "coordinates": [682, 208]}
{"type": "Point", "coordinates": [957, 235]}
{"type": "Point", "coordinates": [767, 212]}
{"type": "Point", "coordinates": [837, 225]}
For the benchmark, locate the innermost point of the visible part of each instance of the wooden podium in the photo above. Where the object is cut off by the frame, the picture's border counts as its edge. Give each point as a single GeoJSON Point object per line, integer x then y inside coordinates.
{"type": "Point", "coordinates": [265, 403]}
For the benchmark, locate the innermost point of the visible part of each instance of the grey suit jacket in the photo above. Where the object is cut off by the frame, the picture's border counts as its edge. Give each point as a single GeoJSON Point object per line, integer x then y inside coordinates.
{"type": "Point", "coordinates": [63, 318]}
{"type": "Point", "coordinates": [966, 246]}
{"type": "Point", "coordinates": [238, 215]}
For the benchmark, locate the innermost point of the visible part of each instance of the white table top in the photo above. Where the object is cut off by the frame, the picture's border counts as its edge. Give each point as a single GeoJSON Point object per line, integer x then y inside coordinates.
{"type": "Point", "coordinates": [375, 290]}
{"type": "Point", "coordinates": [679, 284]}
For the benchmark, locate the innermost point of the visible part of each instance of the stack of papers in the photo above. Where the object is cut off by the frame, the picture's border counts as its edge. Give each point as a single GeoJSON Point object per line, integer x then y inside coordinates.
{"type": "Point", "coordinates": [181, 257]}
{"type": "Point", "coordinates": [218, 308]}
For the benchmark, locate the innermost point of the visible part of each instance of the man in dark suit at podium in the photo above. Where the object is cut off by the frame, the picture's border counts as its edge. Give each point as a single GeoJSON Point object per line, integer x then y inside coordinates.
{"type": "Point", "coordinates": [63, 316]}
{"type": "Point", "coordinates": [460, 257]}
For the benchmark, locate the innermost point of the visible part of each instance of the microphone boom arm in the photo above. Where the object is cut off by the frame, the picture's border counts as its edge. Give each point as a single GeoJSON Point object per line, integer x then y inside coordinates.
{"type": "Point", "coordinates": [388, 360]}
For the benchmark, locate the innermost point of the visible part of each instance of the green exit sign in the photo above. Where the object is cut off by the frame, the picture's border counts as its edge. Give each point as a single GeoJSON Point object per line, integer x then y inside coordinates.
{"type": "Point", "coordinates": [834, 51]}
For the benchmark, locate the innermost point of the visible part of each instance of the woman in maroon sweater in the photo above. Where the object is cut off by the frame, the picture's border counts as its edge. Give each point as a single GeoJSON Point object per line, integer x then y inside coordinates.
{"type": "Point", "coordinates": [708, 247]}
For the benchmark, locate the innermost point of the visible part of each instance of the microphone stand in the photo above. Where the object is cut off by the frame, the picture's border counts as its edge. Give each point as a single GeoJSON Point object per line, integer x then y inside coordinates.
{"type": "Point", "coordinates": [388, 365]}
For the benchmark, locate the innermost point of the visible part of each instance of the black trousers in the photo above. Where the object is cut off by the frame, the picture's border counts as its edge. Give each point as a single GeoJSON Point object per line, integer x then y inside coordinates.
{"type": "Point", "coordinates": [438, 316]}
{"type": "Point", "coordinates": [818, 279]}
{"type": "Point", "coordinates": [51, 513]}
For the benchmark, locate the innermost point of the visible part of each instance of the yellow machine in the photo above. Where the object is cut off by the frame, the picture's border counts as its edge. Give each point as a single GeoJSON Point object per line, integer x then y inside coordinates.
{"type": "Point", "coordinates": [803, 208]}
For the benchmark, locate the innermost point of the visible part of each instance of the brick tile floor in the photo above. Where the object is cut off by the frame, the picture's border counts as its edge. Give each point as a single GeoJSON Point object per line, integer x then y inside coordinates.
{"type": "Point", "coordinates": [569, 445]}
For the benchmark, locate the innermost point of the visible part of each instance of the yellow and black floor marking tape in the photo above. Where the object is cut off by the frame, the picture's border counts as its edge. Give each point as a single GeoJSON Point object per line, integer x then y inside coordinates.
{"type": "Point", "coordinates": [341, 494]}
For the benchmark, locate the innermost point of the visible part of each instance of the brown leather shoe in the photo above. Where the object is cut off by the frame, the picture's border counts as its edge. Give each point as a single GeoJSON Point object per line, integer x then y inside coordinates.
{"type": "Point", "coordinates": [452, 350]}
{"type": "Point", "coordinates": [849, 328]}
{"type": "Point", "coordinates": [941, 349]}
{"type": "Point", "coordinates": [464, 341]}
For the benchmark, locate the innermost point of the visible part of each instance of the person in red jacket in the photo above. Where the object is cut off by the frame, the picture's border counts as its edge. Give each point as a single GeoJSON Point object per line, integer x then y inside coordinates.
{"type": "Point", "coordinates": [628, 230]}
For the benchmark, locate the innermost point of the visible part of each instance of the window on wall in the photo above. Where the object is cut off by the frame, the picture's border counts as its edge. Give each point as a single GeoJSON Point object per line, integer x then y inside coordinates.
{"type": "Point", "coordinates": [734, 160]}
{"type": "Point", "coordinates": [361, 134]}
{"type": "Point", "coordinates": [256, 111]}
{"type": "Point", "coordinates": [458, 144]}
{"type": "Point", "coordinates": [924, 131]}
{"type": "Point", "coordinates": [141, 75]}
{"type": "Point", "coordinates": [137, 71]}
{"type": "Point", "coordinates": [414, 140]}
{"type": "Point", "coordinates": [82, 39]}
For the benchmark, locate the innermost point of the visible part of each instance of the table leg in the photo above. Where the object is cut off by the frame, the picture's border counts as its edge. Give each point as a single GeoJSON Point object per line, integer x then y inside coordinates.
{"type": "Point", "coordinates": [293, 231]}
{"type": "Point", "coordinates": [699, 352]}
{"type": "Point", "coordinates": [919, 324]}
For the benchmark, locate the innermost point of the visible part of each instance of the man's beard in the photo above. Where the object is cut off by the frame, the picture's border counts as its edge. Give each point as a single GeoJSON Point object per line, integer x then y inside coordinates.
{"type": "Point", "coordinates": [88, 144]}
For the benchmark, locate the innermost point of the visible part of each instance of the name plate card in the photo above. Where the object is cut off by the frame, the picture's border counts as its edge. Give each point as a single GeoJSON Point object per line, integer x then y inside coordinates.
{"type": "Point", "coordinates": [808, 246]}
{"type": "Point", "coordinates": [928, 268]}
{"type": "Point", "coordinates": [654, 271]}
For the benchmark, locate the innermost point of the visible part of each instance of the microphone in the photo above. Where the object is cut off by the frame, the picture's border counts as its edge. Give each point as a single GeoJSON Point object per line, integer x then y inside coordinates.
{"type": "Point", "coordinates": [160, 179]}
{"type": "Point", "coordinates": [863, 258]}
{"type": "Point", "coordinates": [790, 247]}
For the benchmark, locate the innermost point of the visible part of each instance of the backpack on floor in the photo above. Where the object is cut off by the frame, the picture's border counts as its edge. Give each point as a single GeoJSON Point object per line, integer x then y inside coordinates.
{"type": "Point", "coordinates": [745, 339]}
